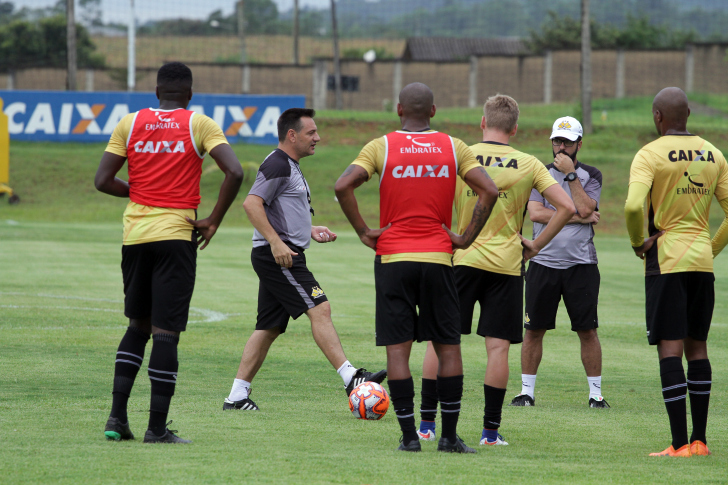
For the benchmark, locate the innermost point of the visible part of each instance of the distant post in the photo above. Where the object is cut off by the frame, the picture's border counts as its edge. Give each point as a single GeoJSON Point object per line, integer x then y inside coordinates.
{"type": "Point", "coordinates": [689, 68]}
{"type": "Point", "coordinates": [5, 158]}
{"type": "Point", "coordinates": [337, 59]}
{"type": "Point", "coordinates": [241, 32]}
{"type": "Point", "coordinates": [586, 78]}
{"type": "Point", "coordinates": [295, 32]}
{"type": "Point", "coordinates": [473, 83]}
{"type": "Point", "coordinates": [131, 50]}
{"type": "Point", "coordinates": [71, 45]}
{"type": "Point", "coordinates": [548, 78]}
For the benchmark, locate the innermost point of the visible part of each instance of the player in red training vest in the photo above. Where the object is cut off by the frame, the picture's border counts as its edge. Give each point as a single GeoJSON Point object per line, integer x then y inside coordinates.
{"type": "Point", "coordinates": [164, 148]}
{"type": "Point", "coordinates": [417, 170]}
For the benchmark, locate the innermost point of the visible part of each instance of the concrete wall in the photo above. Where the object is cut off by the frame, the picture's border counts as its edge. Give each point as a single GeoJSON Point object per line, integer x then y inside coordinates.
{"type": "Point", "coordinates": [643, 73]}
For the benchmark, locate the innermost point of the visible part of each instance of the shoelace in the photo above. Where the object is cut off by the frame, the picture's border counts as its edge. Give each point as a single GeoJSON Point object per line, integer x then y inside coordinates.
{"type": "Point", "coordinates": [173, 431]}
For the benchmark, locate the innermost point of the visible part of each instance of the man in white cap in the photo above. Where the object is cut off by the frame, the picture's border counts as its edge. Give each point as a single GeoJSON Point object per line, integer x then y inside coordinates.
{"type": "Point", "coordinates": [566, 267]}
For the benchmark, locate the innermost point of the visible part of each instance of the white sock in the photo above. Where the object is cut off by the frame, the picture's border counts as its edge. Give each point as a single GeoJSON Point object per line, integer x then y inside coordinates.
{"type": "Point", "coordinates": [528, 384]}
{"type": "Point", "coordinates": [595, 386]}
{"type": "Point", "coordinates": [240, 390]}
{"type": "Point", "coordinates": [346, 371]}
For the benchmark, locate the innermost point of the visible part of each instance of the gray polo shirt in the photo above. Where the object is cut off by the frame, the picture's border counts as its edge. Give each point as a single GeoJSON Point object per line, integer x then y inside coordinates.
{"type": "Point", "coordinates": [575, 243]}
{"type": "Point", "coordinates": [285, 193]}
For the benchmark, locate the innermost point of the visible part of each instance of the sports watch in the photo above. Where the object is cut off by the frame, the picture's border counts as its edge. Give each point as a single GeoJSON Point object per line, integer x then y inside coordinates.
{"type": "Point", "coordinates": [570, 177]}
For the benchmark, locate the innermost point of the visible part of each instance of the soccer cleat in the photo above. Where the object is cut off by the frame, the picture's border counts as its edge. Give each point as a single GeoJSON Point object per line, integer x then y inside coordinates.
{"type": "Point", "coordinates": [413, 445]}
{"type": "Point", "coordinates": [427, 434]}
{"type": "Point", "coordinates": [363, 376]}
{"type": "Point", "coordinates": [598, 402]}
{"type": "Point", "coordinates": [498, 441]}
{"type": "Point", "coordinates": [523, 400]}
{"type": "Point", "coordinates": [454, 447]}
{"type": "Point", "coordinates": [682, 452]}
{"type": "Point", "coordinates": [169, 436]}
{"type": "Point", "coordinates": [698, 448]}
{"type": "Point", "coordinates": [245, 404]}
{"type": "Point", "coordinates": [117, 431]}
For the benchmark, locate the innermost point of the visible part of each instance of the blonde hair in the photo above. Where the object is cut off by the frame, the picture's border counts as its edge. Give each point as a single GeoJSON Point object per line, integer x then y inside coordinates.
{"type": "Point", "coordinates": [501, 112]}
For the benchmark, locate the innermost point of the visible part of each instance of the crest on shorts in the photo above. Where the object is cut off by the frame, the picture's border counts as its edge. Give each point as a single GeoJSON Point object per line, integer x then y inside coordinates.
{"type": "Point", "coordinates": [564, 125]}
{"type": "Point", "coordinates": [526, 320]}
{"type": "Point", "coordinates": [316, 292]}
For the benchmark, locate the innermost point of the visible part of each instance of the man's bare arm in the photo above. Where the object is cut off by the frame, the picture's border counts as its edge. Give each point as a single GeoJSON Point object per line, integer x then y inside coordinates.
{"type": "Point", "coordinates": [106, 180]}
{"type": "Point", "coordinates": [353, 177]}
{"type": "Point", "coordinates": [481, 183]}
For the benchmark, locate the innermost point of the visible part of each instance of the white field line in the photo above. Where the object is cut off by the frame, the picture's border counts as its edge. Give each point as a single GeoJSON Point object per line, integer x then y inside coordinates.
{"type": "Point", "coordinates": [207, 316]}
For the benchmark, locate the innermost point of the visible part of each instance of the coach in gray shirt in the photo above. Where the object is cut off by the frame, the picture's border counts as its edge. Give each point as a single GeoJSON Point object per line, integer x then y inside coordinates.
{"type": "Point", "coordinates": [566, 267]}
{"type": "Point", "coordinates": [279, 207]}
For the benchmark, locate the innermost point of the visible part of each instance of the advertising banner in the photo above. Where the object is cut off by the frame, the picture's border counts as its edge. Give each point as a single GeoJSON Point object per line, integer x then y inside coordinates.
{"type": "Point", "coordinates": [64, 116]}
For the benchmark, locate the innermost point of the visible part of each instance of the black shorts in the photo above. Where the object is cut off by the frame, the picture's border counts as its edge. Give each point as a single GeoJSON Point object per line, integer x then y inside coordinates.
{"type": "Point", "coordinates": [159, 278]}
{"type": "Point", "coordinates": [283, 292]}
{"type": "Point", "coordinates": [679, 305]}
{"type": "Point", "coordinates": [501, 303]}
{"type": "Point", "coordinates": [404, 287]}
{"type": "Point", "coordinates": [579, 285]}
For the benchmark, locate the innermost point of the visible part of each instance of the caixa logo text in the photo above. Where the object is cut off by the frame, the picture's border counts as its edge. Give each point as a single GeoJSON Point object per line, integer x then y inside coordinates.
{"type": "Point", "coordinates": [83, 119]}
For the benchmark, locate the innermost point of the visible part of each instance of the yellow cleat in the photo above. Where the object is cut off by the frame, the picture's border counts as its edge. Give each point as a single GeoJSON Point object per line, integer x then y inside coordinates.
{"type": "Point", "coordinates": [683, 451]}
{"type": "Point", "coordinates": [698, 448]}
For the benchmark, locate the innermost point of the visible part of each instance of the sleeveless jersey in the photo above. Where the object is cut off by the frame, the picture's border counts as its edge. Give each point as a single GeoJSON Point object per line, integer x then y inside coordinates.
{"type": "Point", "coordinates": [416, 192]}
{"type": "Point", "coordinates": [164, 164]}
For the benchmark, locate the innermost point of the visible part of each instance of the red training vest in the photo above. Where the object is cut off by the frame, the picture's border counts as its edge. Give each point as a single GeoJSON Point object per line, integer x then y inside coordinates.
{"type": "Point", "coordinates": [164, 165]}
{"type": "Point", "coordinates": [416, 192]}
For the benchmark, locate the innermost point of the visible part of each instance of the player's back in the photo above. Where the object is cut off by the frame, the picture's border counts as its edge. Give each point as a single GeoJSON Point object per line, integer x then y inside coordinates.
{"type": "Point", "coordinates": [515, 173]}
{"type": "Point", "coordinates": [683, 172]}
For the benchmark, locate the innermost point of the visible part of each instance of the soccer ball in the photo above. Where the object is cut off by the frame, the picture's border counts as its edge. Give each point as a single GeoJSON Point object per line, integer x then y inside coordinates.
{"type": "Point", "coordinates": [369, 400]}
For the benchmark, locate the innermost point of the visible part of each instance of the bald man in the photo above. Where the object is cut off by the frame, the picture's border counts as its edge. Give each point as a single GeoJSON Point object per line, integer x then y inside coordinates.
{"type": "Point", "coordinates": [418, 168]}
{"type": "Point", "coordinates": [678, 174]}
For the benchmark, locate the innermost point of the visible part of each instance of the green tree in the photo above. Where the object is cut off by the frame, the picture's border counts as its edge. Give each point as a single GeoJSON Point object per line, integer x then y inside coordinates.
{"type": "Point", "coordinates": [26, 44]}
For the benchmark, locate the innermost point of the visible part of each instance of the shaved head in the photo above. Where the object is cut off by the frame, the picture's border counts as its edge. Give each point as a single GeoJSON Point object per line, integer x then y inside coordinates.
{"type": "Point", "coordinates": [670, 110]}
{"type": "Point", "coordinates": [416, 100]}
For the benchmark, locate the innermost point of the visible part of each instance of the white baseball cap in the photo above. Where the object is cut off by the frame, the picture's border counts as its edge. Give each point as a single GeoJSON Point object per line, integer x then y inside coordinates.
{"type": "Point", "coordinates": [567, 127]}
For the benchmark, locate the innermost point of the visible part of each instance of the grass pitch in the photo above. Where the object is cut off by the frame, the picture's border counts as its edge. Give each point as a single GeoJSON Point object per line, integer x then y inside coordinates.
{"type": "Point", "coordinates": [61, 301]}
{"type": "Point", "coordinates": [62, 318]}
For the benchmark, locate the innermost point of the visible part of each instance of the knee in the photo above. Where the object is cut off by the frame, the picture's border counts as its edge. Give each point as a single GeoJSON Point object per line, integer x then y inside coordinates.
{"type": "Point", "coordinates": [320, 312]}
{"type": "Point", "coordinates": [534, 336]}
{"type": "Point", "coordinates": [588, 336]}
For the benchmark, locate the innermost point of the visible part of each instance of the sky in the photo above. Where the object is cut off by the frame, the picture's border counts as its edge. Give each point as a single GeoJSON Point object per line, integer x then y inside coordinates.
{"type": "Point", "coordinates": [118, 10]}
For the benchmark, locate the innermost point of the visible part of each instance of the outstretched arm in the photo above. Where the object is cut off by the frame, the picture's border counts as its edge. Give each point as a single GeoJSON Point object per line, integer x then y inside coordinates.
{"type": "Point", "coordinates": [106, 180]}
{"type": "Point", "coordinates": [353, 177]}
{"type": "Point", "coordinates": [230, 166]}
{"type": "Point", "coordinates": [481, 183]}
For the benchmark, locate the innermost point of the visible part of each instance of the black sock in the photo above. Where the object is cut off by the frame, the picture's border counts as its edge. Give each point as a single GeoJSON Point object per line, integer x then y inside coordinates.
{"type": "Point", "coordinates": [428, 409]}
{"type": "Point", "coordinates": [674, 389]}
{"type": "Point", "coordinates": [450, 393]}
{"type": "Point", "coordinates": [129, 357]}
{"type": "Point", "coordinates": [493, 406]}
{"type": "Point", "coordinates": [699, 383]}
{"type": "Point", "coordinates": [163, 375]}
{"type": "Point", "coordinates": [402, 393]}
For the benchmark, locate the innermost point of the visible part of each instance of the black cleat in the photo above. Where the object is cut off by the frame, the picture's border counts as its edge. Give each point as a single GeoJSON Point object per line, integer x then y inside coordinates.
{"type": "Point", "coordinates": [169, 436]}
{"type": "Point", "coordinates": [245, 404]}
{"type": "Point", "coordinates": [598, 403]}
{"type": "Point", "coordinates": [454, 447]}
{"type": "Point", "coordinates": [523, 400]}
{"type": "Point", "coordinates": [117, 431]}
{"type": "Point", "coordinates": [363, 376]}
{"type": "Point", "coordinates": [413, 445]}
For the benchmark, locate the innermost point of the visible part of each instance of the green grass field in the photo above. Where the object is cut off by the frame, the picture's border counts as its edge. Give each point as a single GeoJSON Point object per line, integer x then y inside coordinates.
{"type": "Point", "coordinates": [61, 303]}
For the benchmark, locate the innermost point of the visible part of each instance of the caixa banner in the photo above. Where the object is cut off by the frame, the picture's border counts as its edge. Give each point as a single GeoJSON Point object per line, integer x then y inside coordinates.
{"type": "Point", "coordinates": [92, 117]}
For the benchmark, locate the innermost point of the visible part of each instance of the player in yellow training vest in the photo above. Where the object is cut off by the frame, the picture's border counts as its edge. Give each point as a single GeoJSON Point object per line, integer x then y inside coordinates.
{"type": "Point", "coordinates": [490, 271]}
{"type": "Point", "coordinates": [678, 174]}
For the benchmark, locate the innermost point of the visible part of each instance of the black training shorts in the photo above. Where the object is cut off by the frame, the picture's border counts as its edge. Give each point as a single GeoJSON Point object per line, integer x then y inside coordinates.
{"type": "Point", "coordinates": [679, 305]}
{"type": "Point", "coordinates": [283, 292]}
{"type": "Point", "coordinates": [501, 303]}
{"type": "Point", "coordinates": [579, 285]}
{"type": "Point", "coordinates": [159, 278]}
{"type": "Point", "coordinates": [402, 288]}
